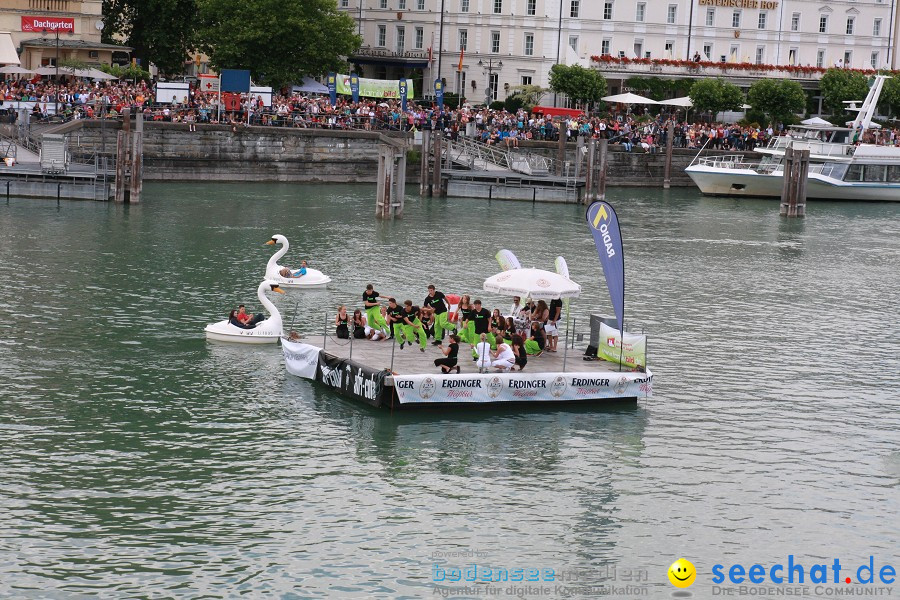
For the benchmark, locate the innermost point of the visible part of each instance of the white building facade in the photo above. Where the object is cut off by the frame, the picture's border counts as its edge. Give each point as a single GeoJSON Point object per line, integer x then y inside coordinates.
{"type": "Point", "coordinates": [423, 39]}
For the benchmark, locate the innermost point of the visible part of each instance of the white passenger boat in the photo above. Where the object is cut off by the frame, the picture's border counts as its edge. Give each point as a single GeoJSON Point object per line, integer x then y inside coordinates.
{"type": "Point", "coordinates": [839, 169]}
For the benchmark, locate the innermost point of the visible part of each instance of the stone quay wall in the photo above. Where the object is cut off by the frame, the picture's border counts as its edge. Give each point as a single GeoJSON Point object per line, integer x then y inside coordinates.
{"type": "Point", "coordinates": [216, 152]}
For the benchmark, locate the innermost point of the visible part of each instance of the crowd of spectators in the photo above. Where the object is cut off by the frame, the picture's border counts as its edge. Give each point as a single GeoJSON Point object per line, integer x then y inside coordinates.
{"type": "Point", "coordinates": [77, 99]}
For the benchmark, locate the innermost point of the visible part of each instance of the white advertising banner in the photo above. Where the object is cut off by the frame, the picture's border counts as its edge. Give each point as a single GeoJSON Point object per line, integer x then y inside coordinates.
{"type": "Point", "coordinates": [519, 387]}
{"type": "Point", "coordinates": [300, 359]}
{"type": "Point", "coordinates": [610, 347]}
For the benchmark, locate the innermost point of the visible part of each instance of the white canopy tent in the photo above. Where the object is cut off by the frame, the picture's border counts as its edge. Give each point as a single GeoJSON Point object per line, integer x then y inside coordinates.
{"type": "Point", "coordinates": [816, 122]}
{"type": "Point", "coordinates": [310, 86]}
{"type": "Point", "coordinates": [87, 73]}
{"type": "Point", "coordinates": [8, 54]}
{"type": "Point", "coordinates": [629, 98]}
{"type": "Point", "coordinates": [537, 284]}
{"type": "Point", "coordinates": [684, 102]}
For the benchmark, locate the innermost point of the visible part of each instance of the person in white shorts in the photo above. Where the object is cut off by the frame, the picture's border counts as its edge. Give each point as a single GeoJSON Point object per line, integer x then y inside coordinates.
{"type": "Point", "coordinates": [483, 350]}
{"type": "Point", "coordinates": [504, 358]}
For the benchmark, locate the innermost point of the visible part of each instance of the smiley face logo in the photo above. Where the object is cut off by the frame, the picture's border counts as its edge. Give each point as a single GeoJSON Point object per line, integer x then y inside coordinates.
{"type": "Point", "coordinates": [682, 573]}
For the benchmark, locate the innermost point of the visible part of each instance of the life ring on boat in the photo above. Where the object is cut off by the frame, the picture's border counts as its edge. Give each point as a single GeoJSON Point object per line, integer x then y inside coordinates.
{"type": "Point", "coordinates": [453, 306]}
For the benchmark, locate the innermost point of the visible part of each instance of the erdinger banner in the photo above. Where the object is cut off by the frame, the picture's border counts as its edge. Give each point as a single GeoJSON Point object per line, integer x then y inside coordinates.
{"type": "Point", "coordinates": [502, 387]}
{"type": "Point", "coordinates": [300, 359]}
{"type": "Point", "coordinates": [633, 353]}
{"type": "Point", "coordinates": [351, 379]}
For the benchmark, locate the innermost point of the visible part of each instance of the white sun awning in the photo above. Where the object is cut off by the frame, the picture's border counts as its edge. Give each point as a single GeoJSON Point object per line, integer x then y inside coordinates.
{"type": "Point", "coordinates": [8, 55]}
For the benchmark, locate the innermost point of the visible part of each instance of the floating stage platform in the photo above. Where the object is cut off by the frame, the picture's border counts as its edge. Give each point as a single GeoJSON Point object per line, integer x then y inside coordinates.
{"type": "Point", "coordinates": [381, 374]}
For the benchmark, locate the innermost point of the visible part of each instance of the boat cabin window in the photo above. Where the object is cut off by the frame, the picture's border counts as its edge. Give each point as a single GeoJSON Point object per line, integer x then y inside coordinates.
{"type": "Point", "coordinates": [873, 173]}
{"type": "Point", "coordinates": [835, 170]}
{"type": "Point", "coordinates": [854, 173]}
{"type": "Point", "coordinates": [893, 173]}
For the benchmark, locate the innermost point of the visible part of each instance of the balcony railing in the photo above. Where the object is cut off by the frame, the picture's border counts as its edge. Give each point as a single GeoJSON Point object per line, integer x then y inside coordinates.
{"type": "Point", "coordinates": [662, 66]}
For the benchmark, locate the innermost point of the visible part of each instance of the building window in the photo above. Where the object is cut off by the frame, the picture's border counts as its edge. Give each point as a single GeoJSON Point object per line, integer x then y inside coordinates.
{"type": "Point", "coordinates": [493, 82]}
{"type": "Point", "coordinates": [823, 24]}
{"type": "Point", "coordinates": [707, 51]}
{"type": "Point", "coordinates": [848, 58]}
{"type": "Point", "coordinates": [463, 39]}
{"type": "Point", "coordinates": [498, 7]}
{"type": "Point", "coordinates": [820, 58]}
{"type": "Point", "coordinates": [495, 42]}
{"type": "Point", "coordinates": [531, 9]}
{"type": "Point", "coordinates": [382, 4]}
{"type": "Point", "coordinates": [420, 5]}
{"type": "Point", "coordinates": [574, 7]}
{"type": "Point", "coordinates": [850, 22]}
{"type": "Point", "coordinates": [345, 3]}
{"type": "Point", "coordinates": [382, 36]}
{"type": "Point", "coordinates": [641, 12]}
{"type": "Point", "coordinates": [736, 19]}
{"type": "Point", "coordinates": [762, 20]}
{"type": "Point", "coordinates": [573, 42]}
{"type": "Point", "coordinates": [734, 53]}
{"type": "Point", "coordinates": [529, 44]}
{"type": "Point", "coordinates": [873, 60]}
{"type": "Point", "coordinates": [792, 57]}
{"type": "Point", "coordinates": [604, 47]}
{"type": "Point", "coordinates": [402, 5]}
{"type": "Point", "coordinates": [401, 40]}
{"type": "Point", "coordinates": [526, 80]}
{"type": "Point", "coordinates": [670, 15]}
{"type": "Point", "coordinates": [464, 6]}
{"type": "Point", "coordinates": [638, 49]}
{"type": "Point", "coordinates": [760, 54]}
{"type": "Point", "coordinates": [710, 17]}
{"type": "Point", "coordinates": [420, 38]}
{"type": "Point", "coordinates": [670, 48]}
{"type": "Point", "coordinates": [876, 28]}
{"type": "Point", "coordinates": [795, 22]}
{"type": "Point", "coordinates": [462, 83]}
{"type": "Point", "coordinates": [607, 10]}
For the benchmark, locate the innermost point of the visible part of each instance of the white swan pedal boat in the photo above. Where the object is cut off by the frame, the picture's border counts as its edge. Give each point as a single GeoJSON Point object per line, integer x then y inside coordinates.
{"type": "Point", "coordinates": [312, 279]}
{"type": "Point", "coordinates": [266, 332]}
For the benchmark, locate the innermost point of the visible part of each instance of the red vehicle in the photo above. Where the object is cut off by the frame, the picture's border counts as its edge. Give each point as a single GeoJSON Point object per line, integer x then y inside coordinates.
{"type": "Point", "coordinates": [552, 111]}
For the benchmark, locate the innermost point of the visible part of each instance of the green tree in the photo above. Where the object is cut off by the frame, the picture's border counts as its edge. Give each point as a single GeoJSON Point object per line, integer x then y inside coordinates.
{"type": "Point", "coordinates": [278, 41]}
{"type": "Point", "coordinates": [715, 95]}
{"type": "Point", "coordinates": [530, 94]}
{"type": "Point", "coordinates": [578, 83]}
{"type": "Point", "coordinates": [160, 31]}
{"type": "Point", "coordinates": [838, 85]}
{"type": "Point", "coordinates": [779, 99]}
{"type": "Point", "coordinates": [890, 95]}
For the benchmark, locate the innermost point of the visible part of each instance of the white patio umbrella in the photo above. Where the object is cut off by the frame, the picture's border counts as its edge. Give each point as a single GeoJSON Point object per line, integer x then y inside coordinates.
{"type": "Point", "coordinates": [16, 71]}
{"type": "Point", "coordinates": [629, 98]}
{"type": "Point", "coordinates": [54, 71]}
{"type": "Point", "coordinates": [93, 73]}
{"type": "Point", "coordinates": [684, 101]}
{"type": "Point", "coordinates": [816, 121]}
{"type": "Point", "coordinates": [532, 283]}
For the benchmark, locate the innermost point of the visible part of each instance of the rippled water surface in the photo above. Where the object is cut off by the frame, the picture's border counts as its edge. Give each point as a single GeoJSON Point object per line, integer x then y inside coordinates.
{"type": "Point", "coordinates": [140, 460]}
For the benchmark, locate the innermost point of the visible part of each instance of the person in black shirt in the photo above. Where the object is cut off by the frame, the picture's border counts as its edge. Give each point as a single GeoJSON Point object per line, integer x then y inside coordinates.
{"type": "Point", "coordinates": [373, 313]}
{"type": "Point", "coordinates": [342, 321]}
{"type": "Point", "coordinates": [518, 346]}
{"type": "Point", "coordinates": [412, 326]}
{"type": "Point", "coordinates": [535, 344]}
{"type": "Point", "coordinates": [450, 353]}
{"type": "Point", "coordinates": [436, 301]}
{"type": "Point", "coordinates": [551, 327]}
{"type": "Point", "coordinates": [395, 320]}
{"type": "Point", "coordinates": [482, 319]}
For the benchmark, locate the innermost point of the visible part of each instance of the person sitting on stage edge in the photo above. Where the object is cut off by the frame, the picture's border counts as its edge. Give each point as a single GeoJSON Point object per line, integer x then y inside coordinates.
{"type": "Point", "coordinates": [450, 353]}
{"type": "Point", "coordinates": [342, 322]}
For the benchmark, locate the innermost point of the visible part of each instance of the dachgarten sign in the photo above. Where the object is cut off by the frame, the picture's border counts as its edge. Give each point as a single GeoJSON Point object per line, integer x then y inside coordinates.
{"type": "Point", "coordinates": [48, 23]}
{"type": "Point", "coordinates": [760, 4]}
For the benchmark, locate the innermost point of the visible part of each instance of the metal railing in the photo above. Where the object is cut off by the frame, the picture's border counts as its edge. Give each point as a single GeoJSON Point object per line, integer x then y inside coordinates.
{"type": "Point", "coordinates": [732, 161]}
{"type": "Point", "coordinates": [478, 156]}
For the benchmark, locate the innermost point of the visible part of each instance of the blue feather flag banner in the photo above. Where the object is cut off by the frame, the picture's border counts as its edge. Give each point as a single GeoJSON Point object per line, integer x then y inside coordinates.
{"type": "Point", "coordinates": [604, 226]}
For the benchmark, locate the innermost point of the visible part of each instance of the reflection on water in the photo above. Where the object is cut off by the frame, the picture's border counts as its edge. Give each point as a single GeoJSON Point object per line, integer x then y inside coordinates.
{"type": "Point", "coordinates": [139, 456]}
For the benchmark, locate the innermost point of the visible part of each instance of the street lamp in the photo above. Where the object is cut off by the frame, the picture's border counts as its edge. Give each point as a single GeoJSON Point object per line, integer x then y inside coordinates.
{"type": "Point", "coordinates": [489, 68]}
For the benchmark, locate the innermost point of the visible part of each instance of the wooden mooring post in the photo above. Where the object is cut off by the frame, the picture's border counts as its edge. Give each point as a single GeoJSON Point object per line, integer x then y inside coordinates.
{"type": "Point", "coordinates": [670, 144]}
{"type": "Point", "coordinates": [793, 189]}
{"type": "Point", "coordinates": [423, 164]}
{"type": "Point", "coordinates": [561, 149]}
{"type": "Point", "coordinates": [437, 186]}
{"type": "Point", "coordinates": [589, 175]}
{"type": "Point", "coordinates": [391, 192]}
{"type": "Point", "coordinates": [604, 164]}
{"type": "Point", "coordinates": [129, 159]}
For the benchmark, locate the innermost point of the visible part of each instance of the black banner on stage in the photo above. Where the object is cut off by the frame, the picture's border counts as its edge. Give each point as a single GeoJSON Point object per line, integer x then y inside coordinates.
{"type": "Point", "coordinates": [351, 379]}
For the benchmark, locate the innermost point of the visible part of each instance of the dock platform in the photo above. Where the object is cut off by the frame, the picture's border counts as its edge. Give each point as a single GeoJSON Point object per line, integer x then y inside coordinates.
{"type": "Point", "coordinates": [365, 370]}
